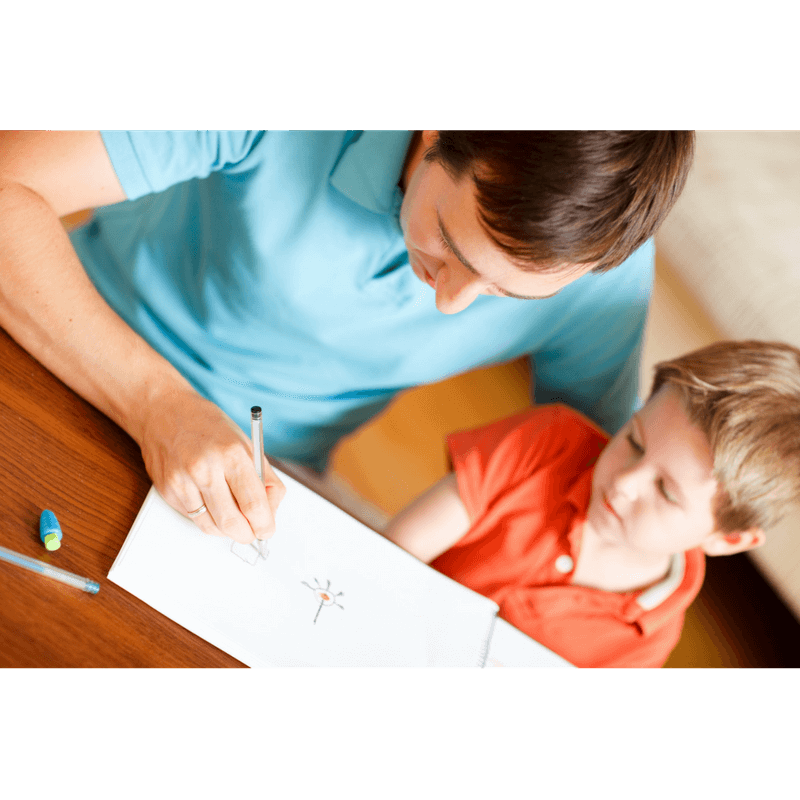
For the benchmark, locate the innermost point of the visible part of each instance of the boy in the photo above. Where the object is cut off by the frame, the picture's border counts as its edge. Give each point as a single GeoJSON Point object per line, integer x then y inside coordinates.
{"type": "Point", "coordinates": [595, 548]}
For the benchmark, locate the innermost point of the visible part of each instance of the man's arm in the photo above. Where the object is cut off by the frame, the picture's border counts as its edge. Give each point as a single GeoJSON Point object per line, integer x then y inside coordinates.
{"type": "Point", "coordinates": [433, 523]}
{"type": "Point", "coordinates": [193, 452]}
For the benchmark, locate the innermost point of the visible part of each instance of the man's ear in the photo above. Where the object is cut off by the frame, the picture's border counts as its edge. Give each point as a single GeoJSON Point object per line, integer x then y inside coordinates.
{"type": "Point", "coordinates": [429, 138]}
{"type": "Point", "coordinates": [726, 544]}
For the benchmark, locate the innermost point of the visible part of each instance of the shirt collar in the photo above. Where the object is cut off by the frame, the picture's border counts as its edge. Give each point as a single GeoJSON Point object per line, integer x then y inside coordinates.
{"type": "Point", "coordinates": [368, 170]}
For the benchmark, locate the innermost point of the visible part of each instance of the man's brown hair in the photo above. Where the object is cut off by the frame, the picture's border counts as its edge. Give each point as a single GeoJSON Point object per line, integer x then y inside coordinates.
{"type": "Point", "coordinates": [745, 396]}
{"type": "Point", "coordinates": [551, 199]}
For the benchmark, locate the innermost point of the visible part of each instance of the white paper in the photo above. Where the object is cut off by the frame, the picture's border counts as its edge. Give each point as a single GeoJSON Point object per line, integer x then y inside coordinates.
{"type": "Point", "coordinates": [509, 647]}
{"type": "Point", "coordinates": [331, 592]}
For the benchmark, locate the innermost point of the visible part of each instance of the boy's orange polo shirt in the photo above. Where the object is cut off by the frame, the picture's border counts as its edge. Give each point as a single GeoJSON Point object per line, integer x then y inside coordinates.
{"type": "Point", "coordinates": [526, 483]}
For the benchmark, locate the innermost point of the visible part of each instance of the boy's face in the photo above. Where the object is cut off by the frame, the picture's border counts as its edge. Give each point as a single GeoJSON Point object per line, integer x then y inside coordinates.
{"type": "Point", "coordinates": [449, 249]}
{"type": "Point", "coordinates": [653, 487]}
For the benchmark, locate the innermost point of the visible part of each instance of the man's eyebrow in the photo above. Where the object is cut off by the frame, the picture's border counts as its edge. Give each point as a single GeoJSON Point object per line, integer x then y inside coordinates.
{"type": "Point", "coordinates": [460, 256]}
{"type": "Point", "coordinates": [637, 424]}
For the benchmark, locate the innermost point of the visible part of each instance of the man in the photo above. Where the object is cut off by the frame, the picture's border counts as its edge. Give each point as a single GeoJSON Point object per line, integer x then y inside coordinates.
{"type": "Point", "coordinates": [289, 270]}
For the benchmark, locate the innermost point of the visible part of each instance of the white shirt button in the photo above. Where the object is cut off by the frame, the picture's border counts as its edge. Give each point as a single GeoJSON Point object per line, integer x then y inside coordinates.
{"type": "Point", "coordinates": [564, 564]}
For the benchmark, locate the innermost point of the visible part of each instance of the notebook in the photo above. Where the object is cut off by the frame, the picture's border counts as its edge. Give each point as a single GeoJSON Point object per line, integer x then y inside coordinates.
{"type": "Point", "coordinates": [330, 592]}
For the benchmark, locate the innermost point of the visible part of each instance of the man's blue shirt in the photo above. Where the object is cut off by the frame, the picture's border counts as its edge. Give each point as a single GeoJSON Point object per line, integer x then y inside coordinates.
{"type": "Point", "coordinates": [270, 269]}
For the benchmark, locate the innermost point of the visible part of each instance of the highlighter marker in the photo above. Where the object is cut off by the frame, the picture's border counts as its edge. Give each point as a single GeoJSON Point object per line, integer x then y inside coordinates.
{"type": "Point", "coordinates": [50, 530]}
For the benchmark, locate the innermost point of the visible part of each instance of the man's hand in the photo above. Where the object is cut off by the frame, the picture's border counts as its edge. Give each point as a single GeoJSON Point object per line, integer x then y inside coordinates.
{"type": "Point", "coordinates": [197, 456]}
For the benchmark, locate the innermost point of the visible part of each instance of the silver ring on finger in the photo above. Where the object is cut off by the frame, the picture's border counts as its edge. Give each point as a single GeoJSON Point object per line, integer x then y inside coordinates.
{"type": "Point", "coordinates": [197, 512]}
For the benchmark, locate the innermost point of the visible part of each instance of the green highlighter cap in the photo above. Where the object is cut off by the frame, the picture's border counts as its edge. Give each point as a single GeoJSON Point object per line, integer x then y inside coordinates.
{"type": "Point", "coordinates": [50, 530]}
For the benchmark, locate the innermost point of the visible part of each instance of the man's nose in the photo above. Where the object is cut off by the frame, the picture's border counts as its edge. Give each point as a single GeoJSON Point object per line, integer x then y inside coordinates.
{"type": "Point", "coordinates": [455, 292]}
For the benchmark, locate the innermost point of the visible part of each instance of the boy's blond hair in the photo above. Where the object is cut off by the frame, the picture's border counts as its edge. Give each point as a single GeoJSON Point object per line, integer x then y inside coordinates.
{"type": "Point", "coordinates": [745, 396]}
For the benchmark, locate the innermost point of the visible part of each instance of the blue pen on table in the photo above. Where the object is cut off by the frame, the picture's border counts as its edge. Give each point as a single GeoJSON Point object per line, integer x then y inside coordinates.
{"type": "Point", "coordinates": [49, 572]}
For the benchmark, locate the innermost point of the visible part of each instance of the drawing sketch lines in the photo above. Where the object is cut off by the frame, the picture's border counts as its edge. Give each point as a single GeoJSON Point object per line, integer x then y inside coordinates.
{"type": "Point", "coordinates": [250, 553]}
{"type": "Point", "coordinates": [324, 595]}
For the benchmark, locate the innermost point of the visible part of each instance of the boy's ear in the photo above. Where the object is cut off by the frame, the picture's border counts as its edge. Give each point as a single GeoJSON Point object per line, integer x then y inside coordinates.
{"type": "Point", "coordinates": [726, 544]}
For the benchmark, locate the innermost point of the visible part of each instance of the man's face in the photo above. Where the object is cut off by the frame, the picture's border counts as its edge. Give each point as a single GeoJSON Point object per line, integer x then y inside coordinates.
{"type": "Point", "coordinates": [451, 252]}
{"type": "Point", "coordinates": [653, 487]}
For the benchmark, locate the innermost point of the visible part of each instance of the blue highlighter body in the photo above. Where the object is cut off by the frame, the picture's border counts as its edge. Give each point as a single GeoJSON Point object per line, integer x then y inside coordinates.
{"type": "Point", "coordinates": [50, 530]}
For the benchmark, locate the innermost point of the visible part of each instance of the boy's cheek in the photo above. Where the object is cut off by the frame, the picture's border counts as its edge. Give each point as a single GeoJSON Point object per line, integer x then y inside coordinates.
{"type": "Point", "coordinates": [604, 478]}
{"type": "Point", "coordinates": [605, 464]}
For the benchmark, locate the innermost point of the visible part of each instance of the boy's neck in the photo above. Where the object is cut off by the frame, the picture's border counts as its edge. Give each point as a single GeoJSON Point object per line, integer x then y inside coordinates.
{"type": "Point", "coordinates": [614, 568]}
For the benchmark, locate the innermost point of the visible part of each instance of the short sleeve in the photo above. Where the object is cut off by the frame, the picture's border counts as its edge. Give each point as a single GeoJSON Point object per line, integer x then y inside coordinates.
{"type": "Point", "coordinates": [491, 460]}
{"type": "Point", "coordinates": [151, 161]}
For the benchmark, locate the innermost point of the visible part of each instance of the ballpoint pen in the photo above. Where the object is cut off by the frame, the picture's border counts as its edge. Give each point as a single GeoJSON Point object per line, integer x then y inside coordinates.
{"type": "Point", "coordinates": [34, 565]}
{"type": "Point", "coordinates": [257, 439]}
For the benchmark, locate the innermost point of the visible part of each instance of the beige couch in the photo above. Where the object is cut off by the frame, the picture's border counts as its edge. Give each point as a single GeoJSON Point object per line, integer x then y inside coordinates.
{"type": "Point", "coordinates": [729, 267]}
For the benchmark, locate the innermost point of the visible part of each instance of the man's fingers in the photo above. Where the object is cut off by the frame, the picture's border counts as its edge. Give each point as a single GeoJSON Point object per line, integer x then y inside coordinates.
{"type": "Point", "coordinates": [256, 505]}
{"type": "Point", "coordinates": [274, 489]}
{"type": "Point", "coordinates": [220, 514]}
{"type": "Point", "coordinates": [220, 481]}
{"type": "Point", "coordinates": [229, 517]}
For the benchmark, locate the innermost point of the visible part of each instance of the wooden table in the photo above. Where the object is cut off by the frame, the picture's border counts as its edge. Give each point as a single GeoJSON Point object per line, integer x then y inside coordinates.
{"type": "Point", "coordinates": [58, 452]}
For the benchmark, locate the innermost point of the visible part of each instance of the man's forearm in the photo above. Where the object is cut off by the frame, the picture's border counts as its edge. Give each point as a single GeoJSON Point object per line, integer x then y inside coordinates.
{"type": "Point", "coordinates": [52, 309]}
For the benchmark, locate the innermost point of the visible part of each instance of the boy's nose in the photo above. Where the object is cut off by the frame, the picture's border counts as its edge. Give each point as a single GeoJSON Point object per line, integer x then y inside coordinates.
{"type": "Point", "coordinates": [453, 292]}
{"type": "Point", "coordinates": [626, 484]}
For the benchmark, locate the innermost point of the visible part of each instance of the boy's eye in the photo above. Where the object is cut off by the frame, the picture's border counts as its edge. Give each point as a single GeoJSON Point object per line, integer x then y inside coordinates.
{"type": "Point", "coordinates": [661, 485]}
{"type": "Point", "coordinates": [663, 489]}
{"type": "Point", "coordinates": [634, 444]}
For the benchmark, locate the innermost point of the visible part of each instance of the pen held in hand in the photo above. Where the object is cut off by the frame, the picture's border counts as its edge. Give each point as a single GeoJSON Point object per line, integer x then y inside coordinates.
{"type": "Point", "coordinates": [257, 440]}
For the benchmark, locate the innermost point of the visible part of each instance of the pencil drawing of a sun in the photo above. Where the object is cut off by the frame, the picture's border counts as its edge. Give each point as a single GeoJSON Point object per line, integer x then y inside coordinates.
{"type": "Point", "coordinates": [324, 595]}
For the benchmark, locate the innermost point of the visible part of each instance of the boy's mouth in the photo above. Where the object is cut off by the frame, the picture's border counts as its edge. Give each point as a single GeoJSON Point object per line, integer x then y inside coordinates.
{"type": "Point", "coordinates": [609, 507]}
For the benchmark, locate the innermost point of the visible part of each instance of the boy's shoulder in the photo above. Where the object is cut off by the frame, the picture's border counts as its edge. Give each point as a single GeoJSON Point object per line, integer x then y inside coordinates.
{"type": "Point", "coordinates": [530, 440]}
{"type": "Point", "coordinates": [556, 419]}
{"type": "Point", "coordinates": [560, 414]}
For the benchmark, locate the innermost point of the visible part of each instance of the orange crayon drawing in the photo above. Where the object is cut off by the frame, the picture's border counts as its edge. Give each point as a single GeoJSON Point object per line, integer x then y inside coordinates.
{"type": "Point", "coordinates": [324, 595]}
